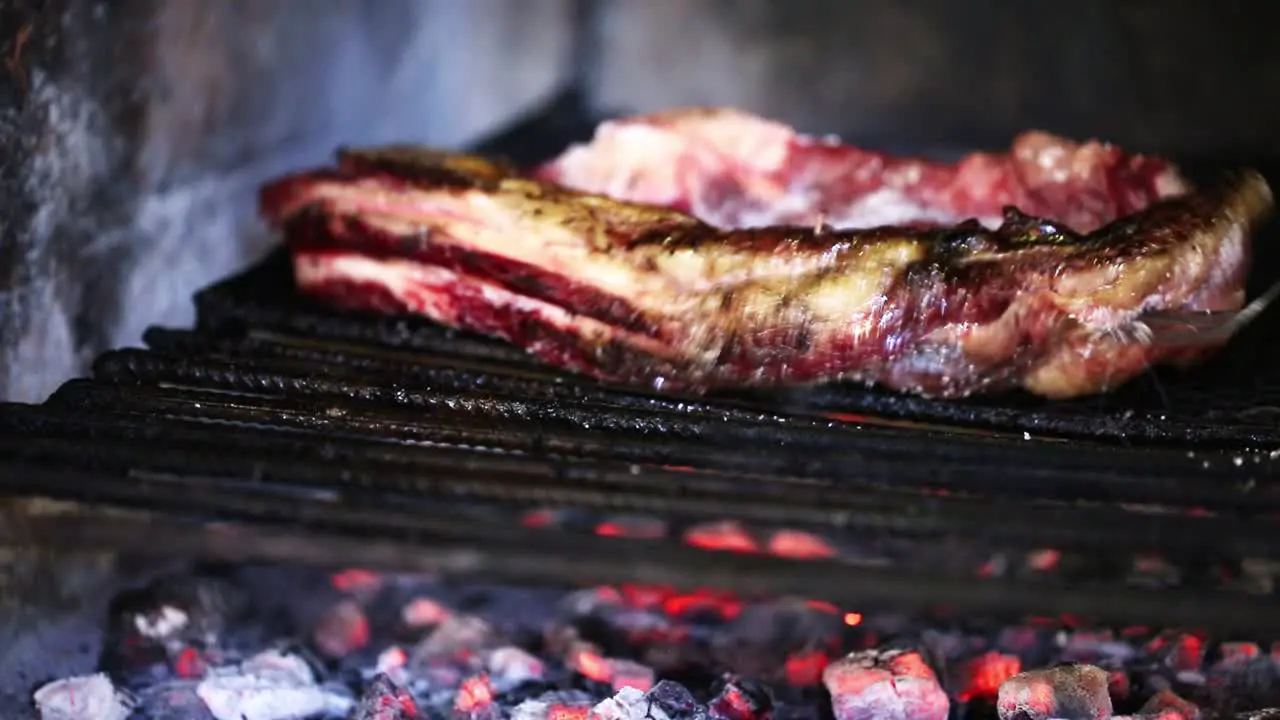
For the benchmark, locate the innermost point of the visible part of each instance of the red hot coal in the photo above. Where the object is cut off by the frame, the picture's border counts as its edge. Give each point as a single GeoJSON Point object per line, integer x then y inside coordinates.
{"type": "Point", "coordinates": [277, 643]}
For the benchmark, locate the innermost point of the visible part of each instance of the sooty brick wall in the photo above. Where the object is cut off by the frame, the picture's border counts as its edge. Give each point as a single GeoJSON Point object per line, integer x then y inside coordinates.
{"type": "Point", "coordinates": [1173, 75]}
{"type": "Point", "coordinates": [133, 134]}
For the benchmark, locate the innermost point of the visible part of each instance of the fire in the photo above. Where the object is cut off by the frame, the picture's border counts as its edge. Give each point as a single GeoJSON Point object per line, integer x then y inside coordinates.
{"type": "Point", "coordinates": [423, 612]}
{"type": "Point", "coordinates": [805, 669]}
{"type": "Point", "coordinates": [189, 663]}
{"type": "Point", "coordinates": [568, 712]}
{"type": "Point", "coordinates": [799, 545]}
{"type": "Point", "coordinates": [355, 580]}
{"type": "Point", "coordinates": [726, 536]}
{"type": "Point", "coordinates": [986, 673]}
{"type": "Point", "coordinates": [475, 693]}
{"type": "Point", "coordinates": [592, 666]}
{"type": "Point", "coordinates": [724, 604]}
{"type": "Point", "coordinates": [853, 619]}
{"type": "Point", "coordinates": [635, 528]}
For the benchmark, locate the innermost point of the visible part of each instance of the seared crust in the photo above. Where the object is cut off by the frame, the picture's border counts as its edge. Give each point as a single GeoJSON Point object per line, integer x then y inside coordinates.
{"type": "Point", "coordinates": [637, 293]}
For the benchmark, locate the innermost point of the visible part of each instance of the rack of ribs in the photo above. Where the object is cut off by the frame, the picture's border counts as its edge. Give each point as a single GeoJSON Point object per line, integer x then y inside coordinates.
{"type": "Point", "coordinates": [709, 249]}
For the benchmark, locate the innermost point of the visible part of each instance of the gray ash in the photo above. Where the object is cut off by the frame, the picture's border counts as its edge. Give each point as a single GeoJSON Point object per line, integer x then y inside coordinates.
{"type": "Point", "coordinates": [269, 643]}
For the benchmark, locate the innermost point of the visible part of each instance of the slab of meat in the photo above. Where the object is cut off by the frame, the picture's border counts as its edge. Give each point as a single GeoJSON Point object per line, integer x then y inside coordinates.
{"type": "Point", "coordinates": [740, 282]}
{"type": "Point", "coordinates": [734, 170]}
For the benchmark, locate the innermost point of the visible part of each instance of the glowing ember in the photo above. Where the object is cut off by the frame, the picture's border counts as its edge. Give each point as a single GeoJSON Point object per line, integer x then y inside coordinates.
{"type": "Point", "coordinates": [799, 545]}
{"type": "Point", "coordinates": [81, 698]}
{"type": "Point", "coordinates": [1070, 692]}
{"type": "Point", "coordinates": [986, 673]}
{"type": "Point", "coordinates": [895, 684]}
{"type": "Point", "coordinates": [342, 630]}
{"type": "Point", "coordinates": [474, 694]}
{"type": "Point", "coordinates": [424, 612]}
{"type": "Point", "coordinates": [727, 536]}
{"type": "Point", "coordinates": [401, 648]}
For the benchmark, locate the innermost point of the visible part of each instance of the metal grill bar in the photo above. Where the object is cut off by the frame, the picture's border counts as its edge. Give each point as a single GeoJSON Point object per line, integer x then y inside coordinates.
{"type": "Point", "coordinates": [709, 437]}
{"type": "Point", "coordinates": [1160, 409]}
{"type": "Point", "coordinates": [535, 559]}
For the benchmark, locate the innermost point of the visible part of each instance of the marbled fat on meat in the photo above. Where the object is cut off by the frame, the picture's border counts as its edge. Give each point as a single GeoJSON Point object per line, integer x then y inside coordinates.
{"type": "Point", "coordinates": [706, 249]}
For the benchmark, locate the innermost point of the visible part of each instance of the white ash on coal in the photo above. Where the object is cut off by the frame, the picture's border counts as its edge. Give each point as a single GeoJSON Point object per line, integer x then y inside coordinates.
{"type": "Point", "coordinates": [270, 686]}
{"type": "Point", "coordinates": [1167, 705]}
{"type": "Point", "coordinates": [273, 644]}
{"type": "Point", "coordinates": [1066, 692]}
{"type": "Point", "coordinates": [92, 697]}
{"type": "Point", "coordinates": [885, 685]}
{"type": "Point", "coordinates": [384, 699]}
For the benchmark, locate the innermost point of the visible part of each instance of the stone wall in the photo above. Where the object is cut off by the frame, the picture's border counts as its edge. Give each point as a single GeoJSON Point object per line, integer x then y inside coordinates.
{"type": "Point", "coordinates": [1171, 75]}
{"type": "Point", "coordinates": [133, 133]}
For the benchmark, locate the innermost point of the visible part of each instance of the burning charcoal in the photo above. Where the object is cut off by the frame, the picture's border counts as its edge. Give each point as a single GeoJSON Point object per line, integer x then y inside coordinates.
{"type": "Point", "coordinates": [185, 608]}
{"type": "Point", "coordinates": [586, 660]}
{"type": "Point", "coordinates": [628, 674]}
{"type": "Point", "coordinates": [385, 700]}
{"type": "Point", "coordinates": [150, 627]}
{"type": "Point", "coordinates": [174, 701]}
{"type": "Point", "coordinates": [627, 704]}
{"type": "Point", "coordinates": [645, 597]}
{"type": "Point", "coordinates": [392, 662]}
{"type": "Point", "coordinates": [1181, 652]}
{"type": "Point", "coordinates": [799, 545]}
{"type": "Point", "coordinates": [559, 640]}
{"type": "Point", "coordinates": [1068, 692]}
{"type": "Point", "coordinates": [726, 535]}
{"type": "Point", "coordinates": [1240, 682]}
{"type": "Point", "coordinates": [422, 612]}
{"type": "Point", "coordinates": [630, 526]}
{"type": "Point", "coordinates": [554, 706]}
{"type": "Point", "coordinates": [1119, 686]}
{"type": "Point", "coordinates": [89, 697]}
{"type": "Point", "coordinates": [644, 626]}
{"type": "Point", "coordinates": [510, 666]}
{"type": "Point", "coordinates": [275, 664]}
{"type": "Point", "coordinates": [342, 629]}
{"type": "Point", "coordinates": [804, 669]}
{"type": "Point", "coordinates": [475, 699]}
{"type": "Point", "coordinates": [617, 673]}
{"type": "Point", "coordinates": [244, 697]}
{"type": "Point", "coordinates": [761, 639]}
{"type": "Point", "coordinates": [530, 710]}
{"type": "Point", "coordinates": [269, 686]}
{"type": "Point", "coordinates": [362, 585]}
{"type": "Point", "coordinates": [703, 606]}
{"type": "Point", "coordinates": [674, 699]}
{"type": "Point", "coordinates": [878, 684]}
{"type": "Point", "coordinates": [741, 699]}
{"type": "Point", "coordinates": [1167, 705]}
{"type": "Point", "coordinates": [461, 638]}
{"type": "Point", "coordinates": [982, 676]}
{"type": "Point", "coordinates": [591, 601]}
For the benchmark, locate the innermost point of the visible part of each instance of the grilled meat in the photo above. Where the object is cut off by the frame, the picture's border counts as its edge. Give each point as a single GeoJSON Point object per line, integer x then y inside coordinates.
{"type": "Point", "coordinates": [733, 170]}
{"type": "Point", "coordinates": [637, 293]}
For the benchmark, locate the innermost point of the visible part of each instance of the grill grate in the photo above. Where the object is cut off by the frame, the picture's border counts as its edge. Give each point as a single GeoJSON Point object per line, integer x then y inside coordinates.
{"type": "Point", "coordinates": [276, 410]}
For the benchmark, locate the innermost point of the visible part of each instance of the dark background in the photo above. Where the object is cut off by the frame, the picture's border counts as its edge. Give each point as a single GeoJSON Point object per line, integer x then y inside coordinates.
{"type": "Point", "coordinates": [133, 133]}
